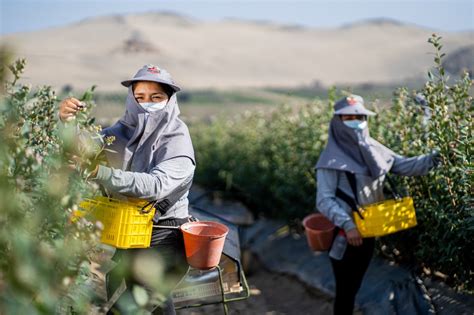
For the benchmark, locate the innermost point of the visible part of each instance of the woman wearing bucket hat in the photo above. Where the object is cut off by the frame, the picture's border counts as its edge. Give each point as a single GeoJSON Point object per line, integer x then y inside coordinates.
{"type": "Point", "coordinates": [351, 149]}
{"type": "Point", "coordinates": [151, 158]}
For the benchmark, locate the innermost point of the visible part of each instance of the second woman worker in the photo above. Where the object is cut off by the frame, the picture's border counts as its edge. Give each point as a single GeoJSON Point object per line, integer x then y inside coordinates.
{"type": "Point", "coordinates": [351, 150]}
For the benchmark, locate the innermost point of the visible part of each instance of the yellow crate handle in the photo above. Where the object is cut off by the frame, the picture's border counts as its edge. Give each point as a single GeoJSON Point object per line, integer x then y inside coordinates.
{"type": "Point", "coordinates": [148, 207]}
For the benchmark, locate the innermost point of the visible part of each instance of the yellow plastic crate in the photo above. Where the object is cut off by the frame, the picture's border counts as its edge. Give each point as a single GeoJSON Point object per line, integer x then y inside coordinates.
{"type": "Point", "coordinates": [125, 224]}
{"type": "Point", "coordinates": [386, 217]}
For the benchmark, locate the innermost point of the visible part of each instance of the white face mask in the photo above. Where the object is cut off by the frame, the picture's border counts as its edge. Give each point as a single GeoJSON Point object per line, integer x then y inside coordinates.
{"type": "Point", "coordinates": [356, 124]}
{"type": "Point", "coordinates": [153, 106]}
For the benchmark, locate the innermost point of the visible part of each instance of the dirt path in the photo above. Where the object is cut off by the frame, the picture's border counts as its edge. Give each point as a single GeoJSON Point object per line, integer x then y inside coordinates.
{"type": "Point", "coordinates": [272, 294]}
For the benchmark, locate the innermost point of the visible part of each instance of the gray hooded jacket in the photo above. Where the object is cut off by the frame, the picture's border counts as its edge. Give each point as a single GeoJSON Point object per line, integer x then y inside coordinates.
{"type": "Point", "coordinates": [153, 155]}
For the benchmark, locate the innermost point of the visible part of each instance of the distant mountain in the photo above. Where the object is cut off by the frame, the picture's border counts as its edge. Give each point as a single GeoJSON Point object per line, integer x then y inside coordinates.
{"type": "Point", "coordinates": [228, 53]}
{"type": "Point", "coordinates": [376, 22]}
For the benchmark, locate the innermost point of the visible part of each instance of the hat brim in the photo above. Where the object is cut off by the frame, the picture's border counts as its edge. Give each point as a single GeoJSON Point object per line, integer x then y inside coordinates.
{"type": "Point", "coordinates": [127, 83]}
{"type": "Point", "coordinates": [354, 111]}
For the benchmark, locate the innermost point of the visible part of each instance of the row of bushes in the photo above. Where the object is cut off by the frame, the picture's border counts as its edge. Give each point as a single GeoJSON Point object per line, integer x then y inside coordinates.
{"type": "Point", "coordinates": [44, 258]}
{"type": "Point", "coordinates": [45, 250]}
{"type": "Point", "coordinates": [267, 160]}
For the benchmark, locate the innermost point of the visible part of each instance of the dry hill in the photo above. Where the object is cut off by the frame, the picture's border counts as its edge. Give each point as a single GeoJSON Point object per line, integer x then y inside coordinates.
{"type": "Point", "coordinates": [227, 53]}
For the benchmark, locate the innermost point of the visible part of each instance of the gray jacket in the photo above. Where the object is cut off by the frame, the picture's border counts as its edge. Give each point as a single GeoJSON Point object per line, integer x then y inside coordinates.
{"type": "Point", "coordinates": [153, 155]}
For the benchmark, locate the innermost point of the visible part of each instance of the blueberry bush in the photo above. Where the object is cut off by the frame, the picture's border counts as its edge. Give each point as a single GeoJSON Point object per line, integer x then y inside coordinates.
{"type": "Point", "coordinates": [267, 160]}
{"type": "Point", "coordinates": [44, 256]}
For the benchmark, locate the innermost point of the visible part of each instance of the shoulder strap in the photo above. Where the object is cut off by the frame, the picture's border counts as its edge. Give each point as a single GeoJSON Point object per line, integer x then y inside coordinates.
{"type": "Point", "coordinates": [393, 187]}
{"type": "Point", "coordinates": [164, 205]}
{"type": "Point", "coordinates": [352, 202]}
{"type": "Point", "coordinates": [352, 182]}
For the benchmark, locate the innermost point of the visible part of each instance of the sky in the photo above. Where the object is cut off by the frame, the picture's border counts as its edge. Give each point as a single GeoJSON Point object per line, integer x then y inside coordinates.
{"type": "Point", "coordinates": [445, 15]}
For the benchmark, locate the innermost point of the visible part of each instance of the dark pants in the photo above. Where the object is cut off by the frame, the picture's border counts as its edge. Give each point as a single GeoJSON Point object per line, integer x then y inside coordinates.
{"type": "Point", "coordinates": [167, 247]}
{"type": "Point", "coordinates": [349, 272]}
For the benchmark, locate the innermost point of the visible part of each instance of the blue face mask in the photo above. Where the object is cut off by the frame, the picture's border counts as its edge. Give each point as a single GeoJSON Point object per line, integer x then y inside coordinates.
{"type": "Point", "coordinates": [356, 124]}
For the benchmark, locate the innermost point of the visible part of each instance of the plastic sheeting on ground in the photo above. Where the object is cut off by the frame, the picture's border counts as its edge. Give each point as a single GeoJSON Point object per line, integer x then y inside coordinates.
{"type": "Point", "coordinates": [231, 211]}
{"type": "Point", "coordinates": [386, 289]}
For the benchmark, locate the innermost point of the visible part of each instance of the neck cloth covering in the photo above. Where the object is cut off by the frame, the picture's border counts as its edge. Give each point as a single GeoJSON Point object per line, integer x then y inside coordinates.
{"type": "Point", "coordinates": [143, 139]}
{"type": "Point", "coordinates": [354, 150]}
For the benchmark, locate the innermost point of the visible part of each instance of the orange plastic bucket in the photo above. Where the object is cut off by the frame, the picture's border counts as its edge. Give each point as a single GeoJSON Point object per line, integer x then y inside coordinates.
{"type": "Point", "coordinates": [319, 232]}
{"type": "Point", "coordinates": [203, 243]}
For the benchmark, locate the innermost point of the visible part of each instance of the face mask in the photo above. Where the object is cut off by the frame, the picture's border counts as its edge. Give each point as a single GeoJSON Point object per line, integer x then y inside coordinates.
{"type": "Point", "coordinates": [153, 106]}
{"type": "Point", "coordinates": [356, 124]}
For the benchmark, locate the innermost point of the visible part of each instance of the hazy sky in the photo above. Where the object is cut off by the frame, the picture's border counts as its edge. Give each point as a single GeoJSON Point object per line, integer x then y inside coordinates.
{"type": "Point", "coordinates": [447, 15]}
